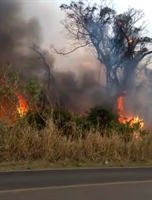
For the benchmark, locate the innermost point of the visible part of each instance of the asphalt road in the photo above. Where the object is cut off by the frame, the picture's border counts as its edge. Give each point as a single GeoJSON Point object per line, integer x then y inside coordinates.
{"type": "Point", "coordinates": [78, 184]}
{"type": "Point", "coordinates": [121, 191]}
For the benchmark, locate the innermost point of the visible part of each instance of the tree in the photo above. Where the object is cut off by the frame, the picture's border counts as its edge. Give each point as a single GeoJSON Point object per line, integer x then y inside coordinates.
{"type": "Point", "coordinates": [49, 90]}
{"type": "Point", "coordinates": [116, 39]}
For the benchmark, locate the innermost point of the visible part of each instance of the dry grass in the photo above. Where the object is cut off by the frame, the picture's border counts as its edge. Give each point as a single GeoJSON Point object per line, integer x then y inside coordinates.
{"type": "Point", "coordinates": [23, 143]}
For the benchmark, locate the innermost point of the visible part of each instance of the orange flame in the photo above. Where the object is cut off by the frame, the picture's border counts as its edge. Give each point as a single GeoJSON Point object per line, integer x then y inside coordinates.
{"type": "Point", "coordinates": [130, 41]}
{"type": "Point", "coordinates": [22, 107]}
{"type": "Point", "coordinates": [123, 118]}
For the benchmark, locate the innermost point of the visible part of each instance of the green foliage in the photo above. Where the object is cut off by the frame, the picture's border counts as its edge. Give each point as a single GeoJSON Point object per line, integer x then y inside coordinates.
{"type": "Point", "coordinates": [61, 118]}
{"type": "Point", "coordinates": [62, 115]}
{"type": "Point", "coordinates": [98, 118]}
{"type": "Point", "coordinates": [82, 122]}
{"type": "Point", "coordinates": [33, 88]}
{"type": "Point", "coordinates": [37, 120]}
{"type": "Point", "coordinates": [101, 117]}
{"type": "Point", "coordinates": [64, 120]}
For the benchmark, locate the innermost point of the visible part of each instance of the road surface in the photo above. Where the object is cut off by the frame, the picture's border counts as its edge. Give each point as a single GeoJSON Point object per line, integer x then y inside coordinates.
{"type": "Point", "coordinates": [78, 184]}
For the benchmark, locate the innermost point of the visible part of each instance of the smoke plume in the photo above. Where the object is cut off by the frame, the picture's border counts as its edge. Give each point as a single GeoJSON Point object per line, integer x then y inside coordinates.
{"type": "Point", "coordinates": [77, 91]}
{"type": "Point", "coordinates": [77, 81]}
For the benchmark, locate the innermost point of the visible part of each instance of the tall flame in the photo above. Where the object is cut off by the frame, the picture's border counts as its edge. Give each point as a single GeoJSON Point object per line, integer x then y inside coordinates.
{"type": "Point", "coordinates": [123, 118]}
{"type": "Point", "coordinates": [20, 108]}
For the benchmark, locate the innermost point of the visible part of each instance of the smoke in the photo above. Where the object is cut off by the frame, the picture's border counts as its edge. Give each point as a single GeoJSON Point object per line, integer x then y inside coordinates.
{"type": "Point", "coordinates": [77, 75]}
{"type": "Point", "coordinates": [16, 36]}
{"type": "Point", "coordinates": [77, 83]}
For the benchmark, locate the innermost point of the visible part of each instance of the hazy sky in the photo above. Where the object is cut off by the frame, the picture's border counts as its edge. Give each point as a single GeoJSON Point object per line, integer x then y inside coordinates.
{"type": "Point", "coordinates": [50, 15]}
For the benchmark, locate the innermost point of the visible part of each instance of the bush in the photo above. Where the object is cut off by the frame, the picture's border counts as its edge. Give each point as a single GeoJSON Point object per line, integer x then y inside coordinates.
{"type": "Point", "coordinates": [54, 133]}
{"type": "Point", "coordinates": [98, 119]}
{"type": "Point", "coordinates": [101, 117]}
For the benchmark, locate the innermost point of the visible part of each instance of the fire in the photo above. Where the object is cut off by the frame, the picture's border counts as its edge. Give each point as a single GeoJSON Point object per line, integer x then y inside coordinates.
{"type": "Point", "coordinates": [123, 118]}
{"type": "Point", "coordinates": [22, 105]}
{"type": "Point", "coordinates": [130, 41]}
{"type": "Point", "coordinates": [9, 109]}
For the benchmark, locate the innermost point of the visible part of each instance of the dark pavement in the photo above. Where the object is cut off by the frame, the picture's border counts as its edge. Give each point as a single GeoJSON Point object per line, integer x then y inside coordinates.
{"type": "Point", "coordinates": [47, 178]}
{"type": "Point", "coordinates": [129, 191]}
{"type": "Point", "coordinates": [104, 183]}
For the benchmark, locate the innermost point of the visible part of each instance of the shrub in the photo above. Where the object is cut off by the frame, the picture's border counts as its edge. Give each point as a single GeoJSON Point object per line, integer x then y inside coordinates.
{"type": "Point", "coordinates": [101, 117]}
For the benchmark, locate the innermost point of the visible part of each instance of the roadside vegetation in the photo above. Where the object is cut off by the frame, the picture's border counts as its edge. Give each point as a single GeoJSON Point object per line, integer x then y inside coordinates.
{"type": "Point", "coordinates": [54, 134]}
{"type": "Point", "coordinates": [35, 127]}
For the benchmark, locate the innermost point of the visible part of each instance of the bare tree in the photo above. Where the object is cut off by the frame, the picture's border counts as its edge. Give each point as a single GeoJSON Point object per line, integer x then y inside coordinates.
{"type": "Point", "coordinates": [50, 78]}
{"type": "Point", "coordinates": [117, 41]}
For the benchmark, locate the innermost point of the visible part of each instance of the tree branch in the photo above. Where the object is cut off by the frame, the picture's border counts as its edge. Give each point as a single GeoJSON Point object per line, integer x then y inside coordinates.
{"type": "Point", "coordinates": [66, 53]}
{"type": "Point", "coordinates": [145, 54]}
{"type": "Point", "coordinates": [42, 55]}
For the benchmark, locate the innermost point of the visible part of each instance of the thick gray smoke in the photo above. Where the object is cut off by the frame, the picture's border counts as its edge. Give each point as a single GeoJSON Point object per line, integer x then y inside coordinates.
{"type": "Point", "coordinates": [78, 91]}
{"type": "Point", "coordinates": [18, 33]}
{"type": "Point", "coordinates": [16, 36]}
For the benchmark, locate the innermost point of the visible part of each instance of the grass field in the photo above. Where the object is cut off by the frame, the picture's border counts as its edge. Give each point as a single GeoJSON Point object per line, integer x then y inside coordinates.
{"type": "Point", "coordinates": [67, 139]}
{"type": "Point", "coordinates": [23, 147]}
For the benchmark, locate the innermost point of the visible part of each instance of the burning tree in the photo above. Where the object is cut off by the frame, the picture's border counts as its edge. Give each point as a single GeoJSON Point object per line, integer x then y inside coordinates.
{"type": "Point", "coordinates": [116, 39]}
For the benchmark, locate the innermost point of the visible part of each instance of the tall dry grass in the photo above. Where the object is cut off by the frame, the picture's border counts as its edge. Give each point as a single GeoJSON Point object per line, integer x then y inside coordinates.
{"type": "Point", "coordinates": [67, 140]}
{"type": "Point", "coordinates": [24, 143]}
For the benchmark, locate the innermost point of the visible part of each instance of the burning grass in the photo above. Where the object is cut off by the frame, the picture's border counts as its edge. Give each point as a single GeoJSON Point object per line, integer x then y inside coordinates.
{"type": "Point", "coordinates": [124, 118]}
{"type": "Point", "coordinates": [54, 134]}
{"type": "Point", "coordinates": [64, 138]}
